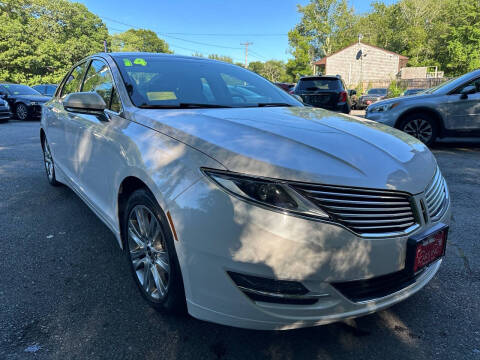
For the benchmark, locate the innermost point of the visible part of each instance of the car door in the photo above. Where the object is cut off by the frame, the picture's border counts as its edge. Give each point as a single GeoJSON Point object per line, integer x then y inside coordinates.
{"type": "Point", "coordinates": [62, 133]}
{"type": "Point", "coordinates": [464, 112]}
{"type": "Point", "coordinates": [99, 153]}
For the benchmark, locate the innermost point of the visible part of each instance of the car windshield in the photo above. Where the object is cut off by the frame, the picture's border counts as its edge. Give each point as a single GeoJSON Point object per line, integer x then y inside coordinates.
{"type": "Point", "coordinates": [377, 92]}
{"type": "Point", "coordinates": [442, 85]}
{"type": "Point", "coordinates": [14, 89]}
{"type": "Point", "coordinates": [318, 84]}
{"type": "Point", "coordinates": [50, 90]}
{"type": "Point", "coordinates": [171, 82]}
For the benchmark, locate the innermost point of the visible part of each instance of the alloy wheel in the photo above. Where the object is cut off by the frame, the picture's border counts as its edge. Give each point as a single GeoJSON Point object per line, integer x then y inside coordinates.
{"type": "Point", "coordinates": [48, 160]}
{"type": "Point", "coordinates": [419, 128]}
{"type": "Point", "coordinates": [22, 112]}
{"type": "Point", "coordinates": [148, 252]}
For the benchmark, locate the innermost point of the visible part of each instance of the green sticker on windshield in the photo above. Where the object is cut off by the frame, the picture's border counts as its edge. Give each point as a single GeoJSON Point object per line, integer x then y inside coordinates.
{"type": "Point", "coordinates": [140, 61]}
{"type": "Point", "coordinates": [127, 62]}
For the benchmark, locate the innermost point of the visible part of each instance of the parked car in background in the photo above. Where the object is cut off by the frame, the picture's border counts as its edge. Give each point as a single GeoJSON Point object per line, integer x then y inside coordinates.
{"type": "Point", "coordinates": [46, 89]}
{"type": "Point", "coordinates": [410, 92]}
{"type": "Point", "coordinates": [449, 109]}
{"type": "Point", "coordinates": [263, 214]}
{"type": "Point", "coordinates": [285, 86]}
{"type": "Point", "coordinates": [327, 92]}
{"type": "Point", "coordinates": [373, 95]}
{"type": "Point", "coordinates": [5, 113]}
{"type": "Point", "coordinates": [24, 101]}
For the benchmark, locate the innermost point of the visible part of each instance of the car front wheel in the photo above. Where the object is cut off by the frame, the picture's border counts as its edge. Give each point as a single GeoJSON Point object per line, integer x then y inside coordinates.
{"type": "Point", "coordinates": [150, 249]}
{"type": "Point", "coordinates": [49, 164]}
{"type": "Point", "coordinates": [421, 126]}
{"type": "Point", "coordinates": [22, 112]}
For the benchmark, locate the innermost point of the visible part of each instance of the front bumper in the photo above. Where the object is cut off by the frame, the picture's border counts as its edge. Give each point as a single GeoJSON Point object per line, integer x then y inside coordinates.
{"type": "Point", "coordinates": [219, 234]}
{"type": "Point", "coordinates": [387, 117]}
{"type": "Point", "coordinates": [5, 114]}
{"type": "Point", "coordinates": [35, 111]}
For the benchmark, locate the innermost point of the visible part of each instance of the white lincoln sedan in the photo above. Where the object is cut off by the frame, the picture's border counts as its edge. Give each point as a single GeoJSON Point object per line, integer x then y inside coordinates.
{"type": "Point", "coordinates": [246, 210]}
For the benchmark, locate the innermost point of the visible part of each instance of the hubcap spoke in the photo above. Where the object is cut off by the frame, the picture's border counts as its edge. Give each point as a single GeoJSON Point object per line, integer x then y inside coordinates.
{"type": "Point", "coordinates": [141, 221]}
{"type": "Point", "coordinates": [135, 236]}
{"type": "Point", "coordinates": [162, 261]}
{"type": "Point", "coordinates": [159, 283]}
{"type": "Point", "coordinates": [146, 276]}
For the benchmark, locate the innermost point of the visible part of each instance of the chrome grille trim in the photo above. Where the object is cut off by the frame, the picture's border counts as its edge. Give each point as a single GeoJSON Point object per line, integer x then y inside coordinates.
{"type": "Point", "coordinates": [366, 212]}
{"type": "Point", "coordinates": [436, 197]}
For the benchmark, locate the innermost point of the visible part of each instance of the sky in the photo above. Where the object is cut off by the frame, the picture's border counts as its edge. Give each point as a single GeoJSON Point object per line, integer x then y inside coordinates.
{"type": "Point", "coordinates": [212, 26]}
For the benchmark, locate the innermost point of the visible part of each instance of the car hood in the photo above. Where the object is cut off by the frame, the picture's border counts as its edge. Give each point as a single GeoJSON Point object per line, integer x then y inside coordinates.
{"type": "Point", "coordinates": [372, 96]}
{"type": "Point", "coordinates": [39, 98]}
{"type": "Point", "coordinates": [403, 99]}
{"type": "Point", "coordinates": [301, 144]}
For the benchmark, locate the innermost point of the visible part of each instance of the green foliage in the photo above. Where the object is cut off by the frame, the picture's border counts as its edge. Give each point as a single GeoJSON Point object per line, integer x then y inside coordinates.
{"type": "Point", "coordinates": [139, 40]}
{"type": "Point", "coordinates": [273, 70]}
{"type": "Point", "coordinates": [395, 89]}
{"type": "Point", "coordinates": [227, 59]}
{"type": "Point", "coordinates": [41, 39]}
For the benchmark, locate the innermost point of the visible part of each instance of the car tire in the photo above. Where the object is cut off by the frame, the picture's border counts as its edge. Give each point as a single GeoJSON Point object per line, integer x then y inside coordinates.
{"type": "Point", "coordinates": [48, 162]}
{"type": "Point", "coordinates": [149, 245]}
{"type": "Point", "coordinates": [21, 111]}
{"type": "Point", "coordinates": [422, 126]}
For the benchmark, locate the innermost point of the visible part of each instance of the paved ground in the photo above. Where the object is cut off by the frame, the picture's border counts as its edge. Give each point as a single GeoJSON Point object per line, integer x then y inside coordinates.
{"type": "Point", "coordinates": [66, 291]}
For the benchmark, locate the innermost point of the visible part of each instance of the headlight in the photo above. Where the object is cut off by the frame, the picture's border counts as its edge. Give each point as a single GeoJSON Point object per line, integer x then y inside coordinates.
{"type": "Point", "coordinates": [274, 194]}
{"type": "Point", "coordinates": [382, 107]}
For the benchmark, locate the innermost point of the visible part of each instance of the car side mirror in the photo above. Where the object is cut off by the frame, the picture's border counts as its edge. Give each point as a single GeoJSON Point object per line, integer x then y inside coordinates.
{"type": "Point", "coordinates": [298, 97]}
{"type": "Point", "coordinates": [84, 102]}
{"type": "Point", "coordinates": [467, 90]}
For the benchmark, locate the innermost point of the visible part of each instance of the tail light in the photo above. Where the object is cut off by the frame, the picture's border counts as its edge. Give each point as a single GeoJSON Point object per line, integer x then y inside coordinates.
{"type": "Point", "coordinates": [343, 97]}
{"type": "Point", "coordinates": [291, 92]}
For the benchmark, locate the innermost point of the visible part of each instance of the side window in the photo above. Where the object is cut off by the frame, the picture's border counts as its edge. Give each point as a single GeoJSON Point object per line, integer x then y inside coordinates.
{"type": "Point", "coordinates": [475, 83]}
{"type": "Point", "coordinates": [3, 90]}
{"type": "Point", "coordinates": [50, 90]}
{"type": "Point", "coordinates": [72, 84]}
{"type": "Point", "coordinates": [99, 79]}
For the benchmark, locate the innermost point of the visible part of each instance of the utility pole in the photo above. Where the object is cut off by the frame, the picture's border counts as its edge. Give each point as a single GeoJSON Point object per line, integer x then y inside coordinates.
{"type": "Point", "coordinates": [246, 44]}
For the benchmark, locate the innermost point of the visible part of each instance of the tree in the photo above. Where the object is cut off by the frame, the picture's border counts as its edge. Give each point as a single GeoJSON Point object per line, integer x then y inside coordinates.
{"type": "Point", "coordinates": [139, 40]}
{"type": "Point", "coordinates": [461, 51]}
{"type": "Point", "coordinates": [274, 70]}
{"type": "Point", "coordinates": [221, 58]}
{"type": "Point", "coordinates": [41, 39]}
{"type": "Point", "coordinates": [256, 66]}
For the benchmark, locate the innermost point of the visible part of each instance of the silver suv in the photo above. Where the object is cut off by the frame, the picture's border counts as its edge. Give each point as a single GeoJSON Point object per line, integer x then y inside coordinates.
{"type": "Point", "coordinates": [449, 109]}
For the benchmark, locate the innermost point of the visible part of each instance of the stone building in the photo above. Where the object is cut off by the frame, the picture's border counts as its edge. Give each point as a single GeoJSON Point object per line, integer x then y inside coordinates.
{"type": "Point", "coordinates": [360, 63]}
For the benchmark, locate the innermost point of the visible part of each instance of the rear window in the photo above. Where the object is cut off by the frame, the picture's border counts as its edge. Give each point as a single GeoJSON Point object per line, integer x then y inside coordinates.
{"type": "Point", "coordinates": [377, 92]}
{"type": "Point", "coordinates": [319, 84]}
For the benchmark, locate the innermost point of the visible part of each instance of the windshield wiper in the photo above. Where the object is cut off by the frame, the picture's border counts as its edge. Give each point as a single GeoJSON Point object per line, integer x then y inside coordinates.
{"type": "Point", "coordinates": [273, 104]}
{"type": "Point", "coordinates": [183, 106]}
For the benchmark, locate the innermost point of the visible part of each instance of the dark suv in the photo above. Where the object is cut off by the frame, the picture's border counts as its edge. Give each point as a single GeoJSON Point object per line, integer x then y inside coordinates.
{"type": "Point", "coordinates": [327, 92]}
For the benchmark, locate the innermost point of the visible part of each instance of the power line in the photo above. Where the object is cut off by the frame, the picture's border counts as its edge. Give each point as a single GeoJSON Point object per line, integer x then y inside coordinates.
{"type": "Point", "coordinates": [222, 34]}
{"type": "Point", "coordinates": [170, 36]}
{"type": "Point", "coordinates": [253, 53]}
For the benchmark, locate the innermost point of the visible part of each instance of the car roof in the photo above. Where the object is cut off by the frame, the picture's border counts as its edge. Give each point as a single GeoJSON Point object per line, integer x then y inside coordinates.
{"type": "Point", "coordinates": [309, 77]}
{"type": "Point", "coordinates": [159, 55]}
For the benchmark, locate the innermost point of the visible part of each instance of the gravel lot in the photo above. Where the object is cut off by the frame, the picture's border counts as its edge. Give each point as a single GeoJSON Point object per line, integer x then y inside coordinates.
{"type": "Point", "coordinates": [66, 290]}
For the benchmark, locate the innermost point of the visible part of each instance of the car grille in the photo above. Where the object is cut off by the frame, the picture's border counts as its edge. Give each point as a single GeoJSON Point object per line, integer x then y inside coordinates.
{"type": "Point", "coordinates": [436, 197]}
{"type": "Point", "coordinates": [377, 287]}
{"type": "Point", "coordinates": [363, 211]}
